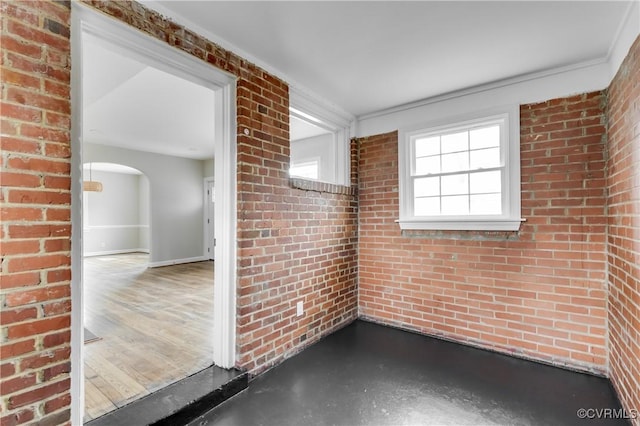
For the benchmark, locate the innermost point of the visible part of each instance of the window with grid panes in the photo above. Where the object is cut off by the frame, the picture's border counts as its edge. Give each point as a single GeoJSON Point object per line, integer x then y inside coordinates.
{"type": "Point", "coordinates": [460, 176]}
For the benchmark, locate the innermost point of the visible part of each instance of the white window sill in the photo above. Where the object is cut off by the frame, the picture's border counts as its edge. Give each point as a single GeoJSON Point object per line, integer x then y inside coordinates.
{"type": "Point", "coordinates": [462, 225]}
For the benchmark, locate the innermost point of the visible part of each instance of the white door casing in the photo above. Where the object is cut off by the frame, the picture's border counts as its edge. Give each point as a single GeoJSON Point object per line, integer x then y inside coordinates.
{"type": "Point", "coordinates": [209, 219]}
{"type": "Point", "coordinates": [162, 56]}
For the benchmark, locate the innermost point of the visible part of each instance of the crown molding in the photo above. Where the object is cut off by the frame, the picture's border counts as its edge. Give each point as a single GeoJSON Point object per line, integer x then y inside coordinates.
{"type": "Point", "coordinates": [301, 94]}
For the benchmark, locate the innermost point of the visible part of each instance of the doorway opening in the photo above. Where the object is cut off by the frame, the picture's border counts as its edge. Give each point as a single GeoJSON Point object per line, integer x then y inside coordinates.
{"type": "Point", "coordinates": [144, 328]}
{"type": "Point", "coordinates": [98, 143]}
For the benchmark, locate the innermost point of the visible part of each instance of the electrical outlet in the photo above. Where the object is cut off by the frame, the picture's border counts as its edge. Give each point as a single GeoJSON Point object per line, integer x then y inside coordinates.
{"type": "Point", "coordinates": [300, 309]}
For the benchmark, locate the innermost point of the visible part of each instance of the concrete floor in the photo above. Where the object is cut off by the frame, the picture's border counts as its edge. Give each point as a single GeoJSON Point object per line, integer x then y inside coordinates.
{"type": "Point", "coordinates": [180, 402]}
{"type": "Point", "coordinates": [366, 374]}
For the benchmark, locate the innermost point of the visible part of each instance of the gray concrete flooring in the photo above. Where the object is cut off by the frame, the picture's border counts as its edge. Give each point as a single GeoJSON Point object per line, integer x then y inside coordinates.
{"type": "Point", "coordinates": [367, 374]}
{"type": "Point", "coordinates": [180, 402]}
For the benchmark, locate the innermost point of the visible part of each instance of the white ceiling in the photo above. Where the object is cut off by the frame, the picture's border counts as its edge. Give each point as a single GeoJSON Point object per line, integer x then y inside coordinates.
{"type": "Point", "coordinates": [301, 129]}
{"type": "Point", "coordinates": [129, 104]}
{"type": "Point", "coordinates": [360, 56]}
{"type": "Point", "coordinates": [366, 56]}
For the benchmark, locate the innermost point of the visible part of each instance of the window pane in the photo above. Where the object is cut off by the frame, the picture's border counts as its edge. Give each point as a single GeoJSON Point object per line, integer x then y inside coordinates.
{"type": "Point", "coordinates": [426, 165]}
{"type": "Point", "coordinates": [427, 146]}
{"type": "Point", "coordinates": [455, 162]}
{"type": "Point", "coordinates": [485, 182]}
{"type": "Point", "coordinates": [455, 205]}
{"type": "Point", "coordinates": [457, 172]}
{"type": "Point", "coordinates": [485, 138]}
{"type": "Point", "coordinates": [484, 158]}
{"type": "Point", "coordinates": [305, 170]}
{"type": "Point", "coordinates": [486, 204]}
{"type": "Point", "coordinates": [426, 187]}
{"type": "Point", "coordinates": [455, 142]}
{"type": "Point", "coordinates": [455, 184]}
{"type": "Point", "coordinates": [426, 206]}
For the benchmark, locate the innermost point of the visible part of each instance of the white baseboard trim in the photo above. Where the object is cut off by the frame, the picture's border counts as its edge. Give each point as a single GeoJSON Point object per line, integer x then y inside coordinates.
{"type": "Point", "coordinates": [121, 251]}
{"type": "Point", "coordinates": [176, 261]}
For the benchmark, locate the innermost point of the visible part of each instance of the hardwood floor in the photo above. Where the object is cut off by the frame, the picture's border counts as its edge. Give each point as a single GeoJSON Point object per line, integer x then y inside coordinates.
{"type": "Point", "coordinates": [155, 327]}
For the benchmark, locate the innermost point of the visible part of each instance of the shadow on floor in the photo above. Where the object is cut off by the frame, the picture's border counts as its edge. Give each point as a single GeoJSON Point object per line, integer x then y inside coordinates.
{"type": "Point", "coordinates": [367, 374]}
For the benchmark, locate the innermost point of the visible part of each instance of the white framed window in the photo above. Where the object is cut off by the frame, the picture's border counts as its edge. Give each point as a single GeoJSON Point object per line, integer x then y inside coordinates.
{"type": "Point", "coordinates": [461, 175]}
{"type": "Point", "coordinates": [320, 130]}
{"type": "Point", "coordinates": [306, 170]}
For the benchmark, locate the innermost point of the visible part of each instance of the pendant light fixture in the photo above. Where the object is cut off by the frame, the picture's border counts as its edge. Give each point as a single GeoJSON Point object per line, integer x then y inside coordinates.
{"type": "Point", "coordinates": [91, 185]}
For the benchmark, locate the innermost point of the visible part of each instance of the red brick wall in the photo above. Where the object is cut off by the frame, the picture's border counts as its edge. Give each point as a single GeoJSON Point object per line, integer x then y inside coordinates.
{"type": "Point", "coordinates": [35, 230]}
{"type": "Point", "coordinates": [294, 244]}
{"type": "Point", "coordinates": [623, 183]}
{"type": "Point", "coordinates": [538, 293]}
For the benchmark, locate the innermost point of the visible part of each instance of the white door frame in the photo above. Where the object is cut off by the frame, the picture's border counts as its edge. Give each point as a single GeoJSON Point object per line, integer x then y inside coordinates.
{"type": "Point", "coordinates": [87, 21]}
{"type": "Point", "coordinates": [206, 220]}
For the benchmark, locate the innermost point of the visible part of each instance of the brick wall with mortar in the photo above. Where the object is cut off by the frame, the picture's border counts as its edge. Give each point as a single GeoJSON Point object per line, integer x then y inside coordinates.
{"type": "Point", "coordinates": [35, 284]}
{"type": "Point", "coordinates": [623, 183]}
{"type": "Point", "coordinates": [295, 244]}
{"type": "Point", "coordinates": [539, 293]}
{"type": "Point", "coordinates": [34, 363]}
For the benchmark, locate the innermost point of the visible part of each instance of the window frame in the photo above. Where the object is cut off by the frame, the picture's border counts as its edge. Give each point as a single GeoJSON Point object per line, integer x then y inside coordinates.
{"type": "Point", "coordinates": [509, 220]}
{"type": "Point", "coordinates": [307, 107]}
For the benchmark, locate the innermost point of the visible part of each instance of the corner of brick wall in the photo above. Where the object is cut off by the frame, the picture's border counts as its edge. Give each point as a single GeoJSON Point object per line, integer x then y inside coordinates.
{"type": "Point", "coordinates": [539, 293]}
{"type": "Point", "coordinates": [35, 215]}
{"type": "Point", "coordinates": [623, 184]}
{"type": "Point", "coordinates": [297, 243]}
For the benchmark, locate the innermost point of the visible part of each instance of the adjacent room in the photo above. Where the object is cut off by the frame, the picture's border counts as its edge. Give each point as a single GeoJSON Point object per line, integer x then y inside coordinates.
{"type": "Point", "coordinates": [357, 213]}
{"type": "Point", "coordinates": [147, 146]}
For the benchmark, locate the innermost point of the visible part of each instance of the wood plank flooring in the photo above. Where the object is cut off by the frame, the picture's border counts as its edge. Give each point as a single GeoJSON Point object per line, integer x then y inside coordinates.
{"type": "Point", "coordinates": [155, 327]}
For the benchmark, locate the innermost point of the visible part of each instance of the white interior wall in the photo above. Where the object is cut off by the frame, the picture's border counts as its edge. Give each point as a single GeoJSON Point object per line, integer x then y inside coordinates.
{"type": "Point", "coordinates": [320, 148]}
{"type": "Point", "coordinates": [176, 202]}
{"type": "Point", "coordinates": [113, 205]}
{"type": "Point", "coordinates": [113, 217]}
{"type": "Point", "coordinates": [474, 101]}
{"type": "Point", "coordinates": [144, 212]}
{"type": "Point", "coordinates": [209, 168]}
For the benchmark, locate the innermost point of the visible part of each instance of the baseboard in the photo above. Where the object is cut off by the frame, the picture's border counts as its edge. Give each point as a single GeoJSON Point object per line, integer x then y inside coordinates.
{"type": "Point", "coordinates": [589, 370]}
{"type": "Point", "coordinates": [109, 252]}
{"type": "Point", "coordinates": [176, 261]}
